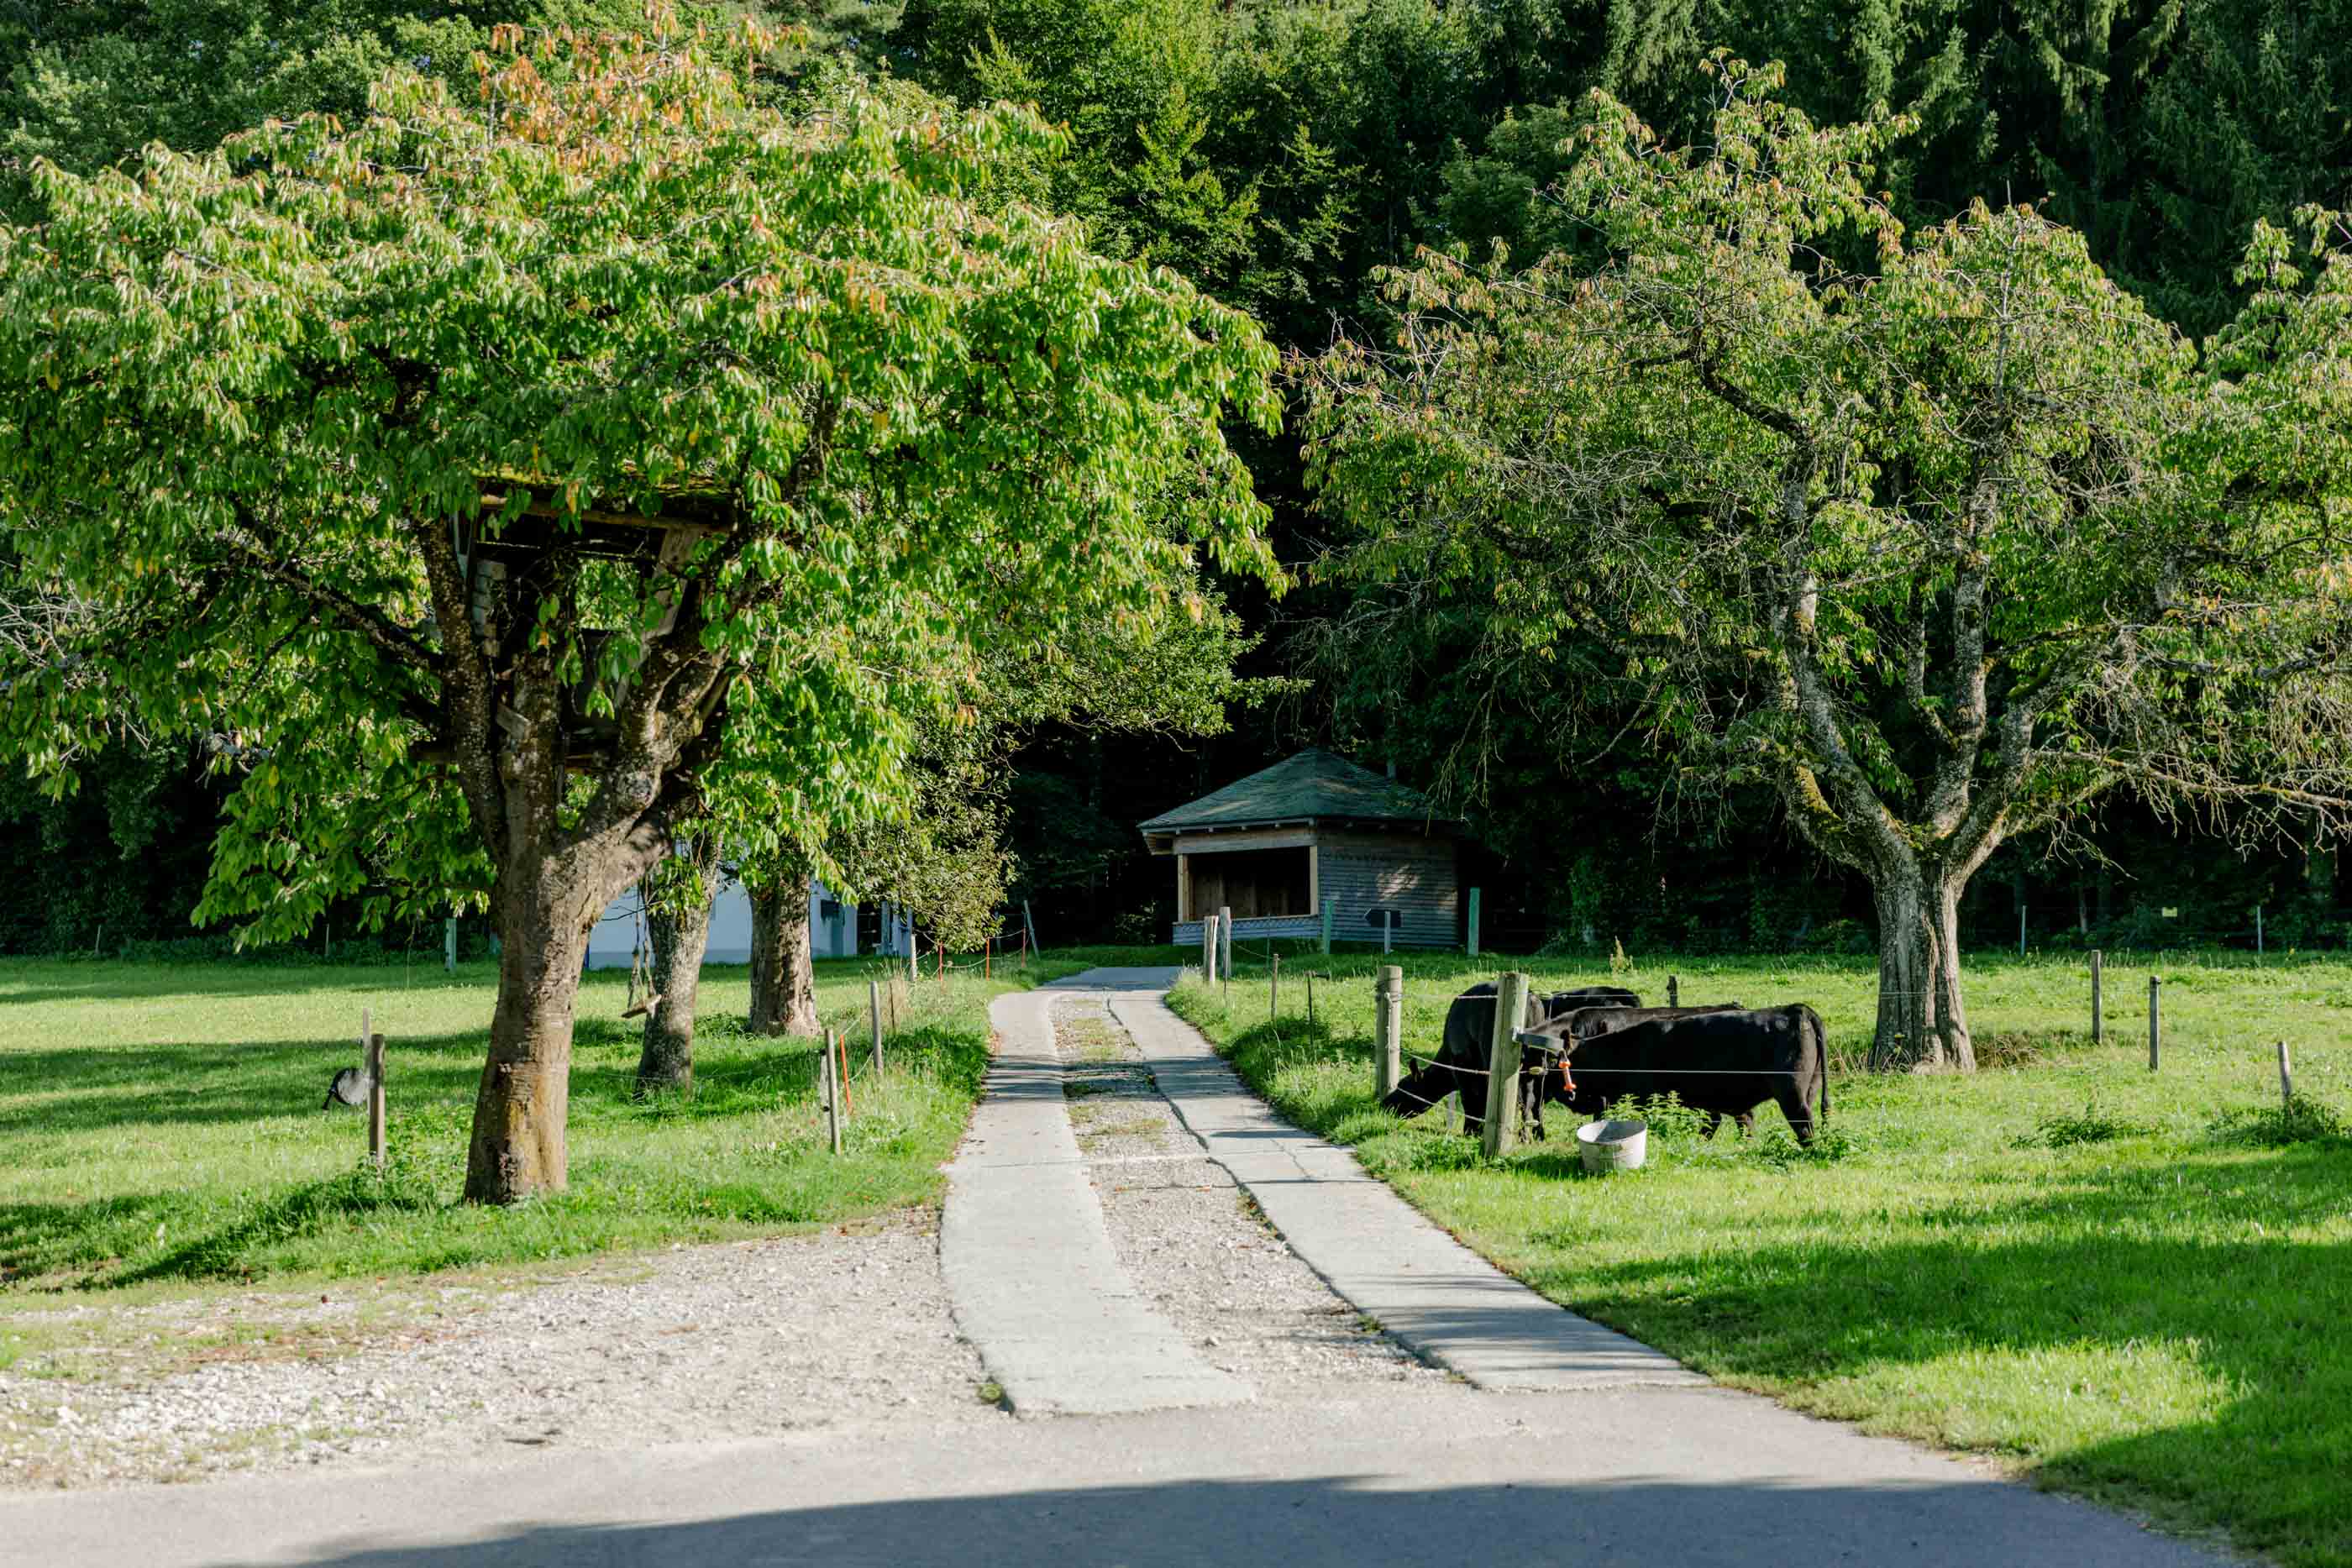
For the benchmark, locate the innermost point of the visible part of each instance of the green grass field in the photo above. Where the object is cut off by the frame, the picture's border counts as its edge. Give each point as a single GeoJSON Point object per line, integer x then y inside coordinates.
{"type": "Point", "coordinates": [2104, 1276]}
{"type": "Point", "coordinates": [163, 1124]}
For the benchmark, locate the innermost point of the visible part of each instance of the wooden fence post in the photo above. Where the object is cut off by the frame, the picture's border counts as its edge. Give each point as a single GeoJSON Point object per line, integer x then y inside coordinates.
{"type": "Point", "coordinates": [2021, 931]}
{"type": "Point", "coordinates": [1474, 923]}
{"type": "Point", "coordinates": [1502, 1130]}
{"type": "Point", "coordinates": [1274, 991]}
{"type": "Point", "coordinates": [1225, 941]}
{"type": "Point", "coordinates": [2098, 1013]}
{"type": "Point", "coordinates": [873, 1015]}
{"type": "Point", "coordinates": [1388, 930]}
{"type": "Point", "coordinates": [830, 1092]}
{"type": "Point", "coordinates": [1209, 948]}
{"type": "Point", "coordinates": [1674, 990]}
{"type": "Point", "coordinates": [2258, 930]}
{"type": "Point", "coordinates": [1387, 1025]}
{"type": "Point", "coordinates": [2155, 1033]}
{"type": "Point", "coordinates": [1028, 933]}
{"type": "Point", "coordinates": [1310, 996]}
{"type": "Point", "coordinates": [2286, 1080]}
{"type": "Point", "coordinates": [1331, 918]}
{"type": "Point", "coordinates": [449, 945]}
{"type": "Point", "coordinates": [376, 1153]}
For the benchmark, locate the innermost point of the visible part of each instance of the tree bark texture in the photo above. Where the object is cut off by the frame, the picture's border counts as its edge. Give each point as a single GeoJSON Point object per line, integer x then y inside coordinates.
{"type": "Point", "coordinates": [1922, 1020]}
{"type": "Point", "coordinates": [784, 973]}
{"type": "Point", "coordinates": [519, 1110]}
{"type": "Point", "coordinates": [680, 935]}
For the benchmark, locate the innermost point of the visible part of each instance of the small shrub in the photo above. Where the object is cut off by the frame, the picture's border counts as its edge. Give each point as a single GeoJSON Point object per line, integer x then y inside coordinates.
{"type": "Point", "coordinates": [1669, 1120]}
{"type": "Point", "coordinates": [2301, 1119]}
{"type": "Point", "coordinates": [2089, 1125]}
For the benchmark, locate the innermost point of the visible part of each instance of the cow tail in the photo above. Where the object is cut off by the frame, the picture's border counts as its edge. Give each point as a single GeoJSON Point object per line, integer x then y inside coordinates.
{"type": "Point", "coordinates": [1821, 1058]}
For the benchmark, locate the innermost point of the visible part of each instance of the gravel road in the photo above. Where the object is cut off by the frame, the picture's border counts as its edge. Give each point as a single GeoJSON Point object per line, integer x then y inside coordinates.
{"type": "Point", "coordinates": [751, 1339]}
{"type": "Point", "coordinates": [1196, 1246]}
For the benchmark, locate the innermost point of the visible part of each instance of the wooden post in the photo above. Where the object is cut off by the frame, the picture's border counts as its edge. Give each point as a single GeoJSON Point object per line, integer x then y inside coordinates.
{"type": "Point", "coordinates": [2154, 1034]}
{"type": "Point", "coordinates": [988, 956]}
{"type": "Point", "coordinates": [449, 945]}
{"type": "Point", "coordinates": [2286, 1080]}
{"type": "Point", "coordinates": [2021, 931]}
{"type": "Point", "coordinates": [1387, 1026]}
{"type": "Point", "coordinates": [873, 1015]}
{"type": "Point", "coordinates": [1273, 990]}
{"type": "Point", "coordinates": [914, 962]}
{"type": "Point", "coordinates": [1028, 933]}
{"type": "Point", "coordinates": [1388, 928]}
{"type": "Point", "coordinates": [1225, 942]}
{"type": "Point", "coordinates": [1330, 918]}
{"type": "Point", "coordinates": [1310, 996]}
{"type": "Point", "coordinates": [375, 1098]}
{"type": "Point", "coordinates": [1674, 990]}
{"type": "Point", "coordinates": [832, 1092]}
{"type": "Point", "coordinates": [2258, 930]}
{"type": "Point", "coordinates": [1502, 1130]}
{"type": "Point", "coordinates": [1474, 923]}
{"type": "Point", "coordinates": [2098, 1017]}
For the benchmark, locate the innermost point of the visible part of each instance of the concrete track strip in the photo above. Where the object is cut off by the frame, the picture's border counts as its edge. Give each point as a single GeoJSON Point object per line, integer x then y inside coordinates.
{"type": "Point", "coordinates": [1373, 1248]}
{"type": "Point", "coordinates": [1029, 1266]}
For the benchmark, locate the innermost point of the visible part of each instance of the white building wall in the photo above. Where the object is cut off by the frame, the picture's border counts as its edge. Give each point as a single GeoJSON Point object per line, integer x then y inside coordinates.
{"type": "Point", "coordinates": [614, 943]}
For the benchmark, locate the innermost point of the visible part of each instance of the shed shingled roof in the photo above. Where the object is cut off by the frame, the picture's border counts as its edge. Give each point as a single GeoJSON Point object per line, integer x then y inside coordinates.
{"type": "Point", "coordinates": [1312, 784]}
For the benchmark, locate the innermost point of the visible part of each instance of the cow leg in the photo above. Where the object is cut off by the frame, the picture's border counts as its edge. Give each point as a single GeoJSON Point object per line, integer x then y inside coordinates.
{"type": "Point", "coordinates": [1794, 1106]}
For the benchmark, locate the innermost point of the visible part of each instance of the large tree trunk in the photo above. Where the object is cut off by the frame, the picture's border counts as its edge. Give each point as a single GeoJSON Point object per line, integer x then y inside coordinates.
{"type": "Point", "coordinates": [518, 1148]}
{"type": "Point", "coordinates": [784, 973]}
{"type": "Point", "coordinates": [679, 935]}
{"type": "Point", "coordinates": [1922, 1018]}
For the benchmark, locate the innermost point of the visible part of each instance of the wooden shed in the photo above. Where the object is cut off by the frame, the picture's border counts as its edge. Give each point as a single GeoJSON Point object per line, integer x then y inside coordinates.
{"type": "Point", "coordinates": [1312, 830]}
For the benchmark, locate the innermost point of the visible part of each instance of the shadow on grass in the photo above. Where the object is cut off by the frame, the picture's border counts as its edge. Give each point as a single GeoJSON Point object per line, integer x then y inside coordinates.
{"type": "Point", "coordinates": [2088, 1266]}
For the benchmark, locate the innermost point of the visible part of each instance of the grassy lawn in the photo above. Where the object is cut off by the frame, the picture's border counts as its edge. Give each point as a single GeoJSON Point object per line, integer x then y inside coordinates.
{"type": "Point", "coordinates": [163, 1123]}
{"type": "Point", "coordinates": [2107, 1277]}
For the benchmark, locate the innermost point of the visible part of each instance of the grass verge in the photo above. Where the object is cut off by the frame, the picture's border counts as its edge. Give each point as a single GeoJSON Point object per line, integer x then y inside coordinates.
{"type": "Point", "coordinates": [164, 1123]}
{"type": "Point", "coordinates": [2126, 1284]}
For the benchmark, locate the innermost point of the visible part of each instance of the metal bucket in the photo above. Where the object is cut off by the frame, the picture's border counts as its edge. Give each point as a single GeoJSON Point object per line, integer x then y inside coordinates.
{"type": "Point", "coordinates": [1614, 1145]}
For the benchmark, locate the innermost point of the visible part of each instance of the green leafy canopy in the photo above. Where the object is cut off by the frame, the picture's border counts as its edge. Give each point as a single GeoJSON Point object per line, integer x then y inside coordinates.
{"type": "Point", "coordinates": [251, 399]}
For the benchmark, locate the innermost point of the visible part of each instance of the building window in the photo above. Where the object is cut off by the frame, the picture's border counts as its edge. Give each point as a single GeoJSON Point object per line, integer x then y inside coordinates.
{"type": "Point", "coordinates": [1256, 884]}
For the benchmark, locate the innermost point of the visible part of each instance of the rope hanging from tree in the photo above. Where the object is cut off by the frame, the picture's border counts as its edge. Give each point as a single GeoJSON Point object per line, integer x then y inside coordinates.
{"type": "Point", "coordinates": [640, 971]}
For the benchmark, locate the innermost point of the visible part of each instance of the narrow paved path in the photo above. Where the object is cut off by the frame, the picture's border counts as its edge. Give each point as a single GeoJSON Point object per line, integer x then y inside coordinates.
{"type": "Point", "coordinates": [1447, 1304]}
{"type": "Point", "coordinates": [1029, 1267]}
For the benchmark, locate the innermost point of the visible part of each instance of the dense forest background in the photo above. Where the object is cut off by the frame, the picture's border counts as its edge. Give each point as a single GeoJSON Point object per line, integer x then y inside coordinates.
{"type": "Point", "coordinates": [1280, 154]}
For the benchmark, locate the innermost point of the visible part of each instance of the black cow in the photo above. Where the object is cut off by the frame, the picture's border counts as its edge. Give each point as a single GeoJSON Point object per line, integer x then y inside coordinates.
{"type": "Point", "coordinates": [1541, 1062]}
{"type": "Point", "coordinates": [1725, 1064]}
{"type": "Point", "coordinates": [1463, 1055]}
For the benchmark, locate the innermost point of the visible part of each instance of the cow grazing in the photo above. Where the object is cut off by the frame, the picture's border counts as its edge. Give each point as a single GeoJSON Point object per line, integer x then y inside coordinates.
{"type": "Point", "coordinates": [1461, 1057]}
{"type": "Point", "coordinates": [1545, 1060]}
{"type": "Point", "coordinates": [1725, 1064]}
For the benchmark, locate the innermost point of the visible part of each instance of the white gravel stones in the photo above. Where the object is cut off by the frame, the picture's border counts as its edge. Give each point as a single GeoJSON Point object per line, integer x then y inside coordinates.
{"type": "Point", "coordinates": [1194, 1244]}
{"type": "Point", "coordinates": [834, 1330]}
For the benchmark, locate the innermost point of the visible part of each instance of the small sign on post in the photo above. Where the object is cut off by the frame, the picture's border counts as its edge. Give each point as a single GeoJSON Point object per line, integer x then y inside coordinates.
{"type": "Point", "coordinates": [1387, 1026]}
{"type": "Point", "coordinates": [1501, 1131]}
